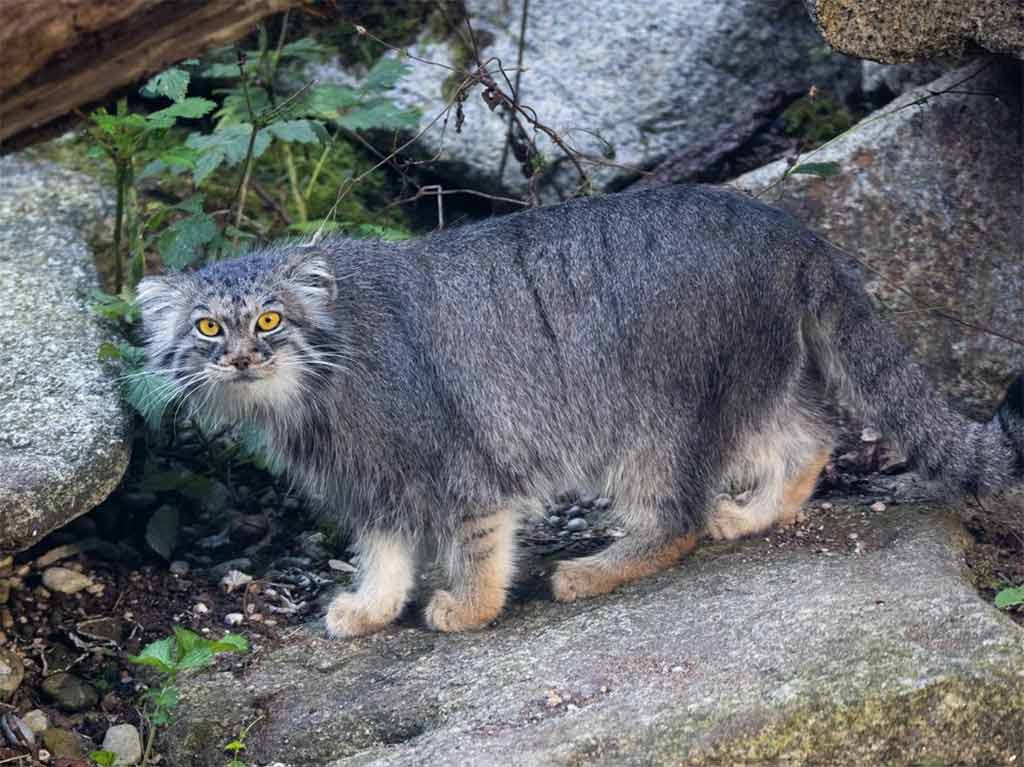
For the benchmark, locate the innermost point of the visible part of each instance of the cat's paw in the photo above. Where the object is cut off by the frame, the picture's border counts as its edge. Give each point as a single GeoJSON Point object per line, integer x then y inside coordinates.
{"type": "Point", "coordinates": [727, 522]}
{"type": "Point", "coordinates": [578, 579]}
{"type": "Point", "coordinates": [349, 615]}
{"type": "Point", "coordinates": [446, 612]}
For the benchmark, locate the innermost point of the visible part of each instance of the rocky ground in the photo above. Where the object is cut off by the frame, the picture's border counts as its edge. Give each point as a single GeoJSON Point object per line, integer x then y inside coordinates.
{"type": "Point", "coordinates": [79, 602]}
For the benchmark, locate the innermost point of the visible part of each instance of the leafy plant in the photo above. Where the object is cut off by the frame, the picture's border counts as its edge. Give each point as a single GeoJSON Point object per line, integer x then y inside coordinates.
{"type": "Point", "coordinates": [103, 758]}
{"type": "Point", "coordinates": [126, 136]}
{"type": "Point", "coordinates": [236, 746]}
{"type": "Point", "coordinates": [183, 651]}
{"type": "Point", "coordinates": [1010, 597]}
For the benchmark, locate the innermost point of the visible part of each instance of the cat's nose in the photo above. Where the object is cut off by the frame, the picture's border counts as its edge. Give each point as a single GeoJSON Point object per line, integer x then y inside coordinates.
{"type": "Point", "coordinates": [246, 360]}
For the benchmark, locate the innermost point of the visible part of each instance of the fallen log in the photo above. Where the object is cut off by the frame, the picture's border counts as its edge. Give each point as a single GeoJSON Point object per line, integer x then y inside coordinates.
{"type": "Point", "coordinates": [61, 55]}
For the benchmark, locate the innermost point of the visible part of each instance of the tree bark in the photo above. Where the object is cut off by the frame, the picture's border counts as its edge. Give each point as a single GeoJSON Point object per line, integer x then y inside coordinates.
{"type": "Point", "coordinates": [60, 55]}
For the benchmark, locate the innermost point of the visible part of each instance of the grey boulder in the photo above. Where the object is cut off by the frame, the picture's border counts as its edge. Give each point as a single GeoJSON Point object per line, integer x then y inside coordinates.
{"type": "Point", "coordinates": [627, 83]}
{"type": "Point", "coordinates": [930, 197]}
{"type": "Point", "coordinates": [896, 31]}
{"type": "Point", "coordinates": [63, 430]}
{"type": "Point", "coordinates": [876, 652]}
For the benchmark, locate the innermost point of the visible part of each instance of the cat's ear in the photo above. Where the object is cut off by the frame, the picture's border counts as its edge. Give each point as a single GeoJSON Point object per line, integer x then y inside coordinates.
{"type": "Point", "coordinates": [310, 271]}
{"type": "Point", "coordinates": [159, 299]}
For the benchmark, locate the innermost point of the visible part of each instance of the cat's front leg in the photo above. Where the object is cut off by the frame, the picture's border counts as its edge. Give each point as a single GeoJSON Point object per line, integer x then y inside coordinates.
{"type": "Point", "coordinates": [387, 573]}
{"type": "Point", "coordinates": [480, 561]}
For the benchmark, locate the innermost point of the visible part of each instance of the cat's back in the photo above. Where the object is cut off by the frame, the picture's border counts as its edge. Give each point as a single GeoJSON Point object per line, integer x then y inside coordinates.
{"type": "Point", "coordinates": [665, 233]}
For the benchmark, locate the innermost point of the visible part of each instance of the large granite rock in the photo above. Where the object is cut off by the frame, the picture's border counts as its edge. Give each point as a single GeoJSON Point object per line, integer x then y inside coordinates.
{"type": "Point", "coordinates": [877, 651]}
{"type": "Point", "coordinates": [930, 197]}
{"type": "Point", "coordinates": [903, 30]}
{"type": "Point", "coordinates": [63, 431]}
{"type": "Point", "coordinates": [629, 81]}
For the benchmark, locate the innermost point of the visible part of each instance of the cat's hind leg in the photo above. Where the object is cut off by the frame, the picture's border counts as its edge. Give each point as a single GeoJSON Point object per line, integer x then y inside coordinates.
{"type": "Point", "coordinates": [386, 576]}
{"type": "Point", "coordinates": [480, 561]}
{"type": "Point", "coordinates": [783, 474]}
{"type": "Point", "coordinates": [655, 541]}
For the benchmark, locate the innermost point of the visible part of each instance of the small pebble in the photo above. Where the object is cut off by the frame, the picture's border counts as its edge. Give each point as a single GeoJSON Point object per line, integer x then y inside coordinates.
{"type": "Point", "coordinates": [555, 521]}
{"type": "Point", "coordinates": [878, 506]}
{"type": "Point", "coordinates": [602, 503]}
{"type": "Point", "coordinates": [36, 720]}
{"type": "Point", "coordinates": [65, 581]}
{"type": "Point", "coordinates": [577, 525]}
{"type": "Point", "coordinates": [200, 609]}
{"type": "Point", "coordinates": [69, 692]}
{"type": "Point", "coordinates": [179, 567]}
{"type": "Point", "coordinates": [125, 741]}
{"type": "Point", "coordinates": [234, 619]}
{"type": "Point", "coordinates": [234, 579]}
{"type": "Point", "coordinates": [826, 506]}
{"type": "Point", "coordinates": [574, 511]}
{"type": "Point", "coordinates": [341, 566]}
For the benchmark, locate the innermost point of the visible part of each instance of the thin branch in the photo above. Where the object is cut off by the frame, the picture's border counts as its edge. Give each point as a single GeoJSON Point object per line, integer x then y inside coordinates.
{"type": "Point", "coordinates": [436, 189]}
{"type": "Point", "coordinates": [515, 88]}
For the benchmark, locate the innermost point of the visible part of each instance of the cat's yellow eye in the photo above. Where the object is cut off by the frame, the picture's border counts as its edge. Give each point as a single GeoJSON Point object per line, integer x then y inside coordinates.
{"type": "Point", "coordinates": [208, 327]}
{"type": "Point", "coordinates": [268, 321]}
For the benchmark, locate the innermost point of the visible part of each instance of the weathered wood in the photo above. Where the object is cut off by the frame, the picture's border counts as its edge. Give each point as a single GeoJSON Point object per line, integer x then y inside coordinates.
{"type": "Point", "coordinates": [59, 55]}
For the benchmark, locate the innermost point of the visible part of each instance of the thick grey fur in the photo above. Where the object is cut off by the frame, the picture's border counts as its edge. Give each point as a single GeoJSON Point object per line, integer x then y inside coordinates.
{"type": "Point", "coordinates": [632, 344]}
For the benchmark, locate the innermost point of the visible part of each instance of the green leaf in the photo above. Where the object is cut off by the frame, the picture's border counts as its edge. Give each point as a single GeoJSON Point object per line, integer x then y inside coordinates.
{"type": "Point", "coordinates": [1010, 597]}
{"type": "Point", "coordinates": [164, 700]}
{"type": "Point", "coordinates": [234, 746]}
{"type": "Point", "coordinates": [162, 531]}
{"type": "Point", "coordinates": [294, 130]}
{"type": "Point", "coordinates": [171, 83]}
{"type": "Point", "coordinates": [231, 643]}
{"type": "Point", "coordinates": [379, 114]}
{"type": "Point", "coordinates": [187, 640]}
{"type": "Point", "coordinates": [120, 308]}
{"type": "Point", "coordinates": [383, 75]}
{"type": "Point", "coordinates": [180, 156]}
{"type": "Point", "coordinates": [822, 169]}
{"type": "Point", "coordinates": [158, 654]}
{"type": "Point", "coordinates": [231, 140]}
{"type": "Point", "coordinates": [182, 243]}
{"type": "Point", "coordinates": [381, 232]}
{"type": "Point", "coordinates": [306, 49]}
{"type": "Point", "coordinates": [235, 107]}
{"type": "Point", "coordinates": [103, 758]}
{"type": "Point", "coordinates": [108, 351]}
{"type": "Point", "coordinates": [197, 657]}
{"type": "Point", "coordinates": [330, 100]}
{"type": "Point", "coordinates": [190, 108]}
{"type": "Point", "coordinates": [229, 70]}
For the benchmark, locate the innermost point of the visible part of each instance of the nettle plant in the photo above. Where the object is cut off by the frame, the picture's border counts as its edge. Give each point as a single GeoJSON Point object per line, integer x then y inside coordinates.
{"type": "Point", "coordinates": [201, 153]}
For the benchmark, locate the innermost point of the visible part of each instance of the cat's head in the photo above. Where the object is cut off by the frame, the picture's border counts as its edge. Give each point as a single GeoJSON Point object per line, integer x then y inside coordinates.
{"type": "Point", "coordinates": [243, 335]}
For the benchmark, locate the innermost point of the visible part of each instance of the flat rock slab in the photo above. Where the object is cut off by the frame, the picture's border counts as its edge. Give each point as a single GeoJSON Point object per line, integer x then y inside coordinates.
{"type": "Point", "coordinates": [63, 431]}
{"type": "Point", "coordinates": [879, 652]}
{"type": "Point", "coordinates": [929, 196]}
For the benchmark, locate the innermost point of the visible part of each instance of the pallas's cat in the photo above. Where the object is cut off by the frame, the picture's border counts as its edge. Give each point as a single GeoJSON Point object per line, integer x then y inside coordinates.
{"type": "Point", "coordinates": [661, 347]}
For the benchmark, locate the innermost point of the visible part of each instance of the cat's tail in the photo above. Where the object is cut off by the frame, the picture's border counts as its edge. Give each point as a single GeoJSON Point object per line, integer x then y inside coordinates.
{"type": "Point", "coordinates": [875, 374]}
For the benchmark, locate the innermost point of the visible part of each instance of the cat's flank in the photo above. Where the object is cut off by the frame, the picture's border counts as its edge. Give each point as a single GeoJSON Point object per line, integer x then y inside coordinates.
{"type": "Point", "coordinates": [671, 348]}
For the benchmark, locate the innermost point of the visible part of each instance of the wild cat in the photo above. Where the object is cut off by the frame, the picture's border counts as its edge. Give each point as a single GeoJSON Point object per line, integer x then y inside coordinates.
{"type": "Point", "coordinates": [659, 347]}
